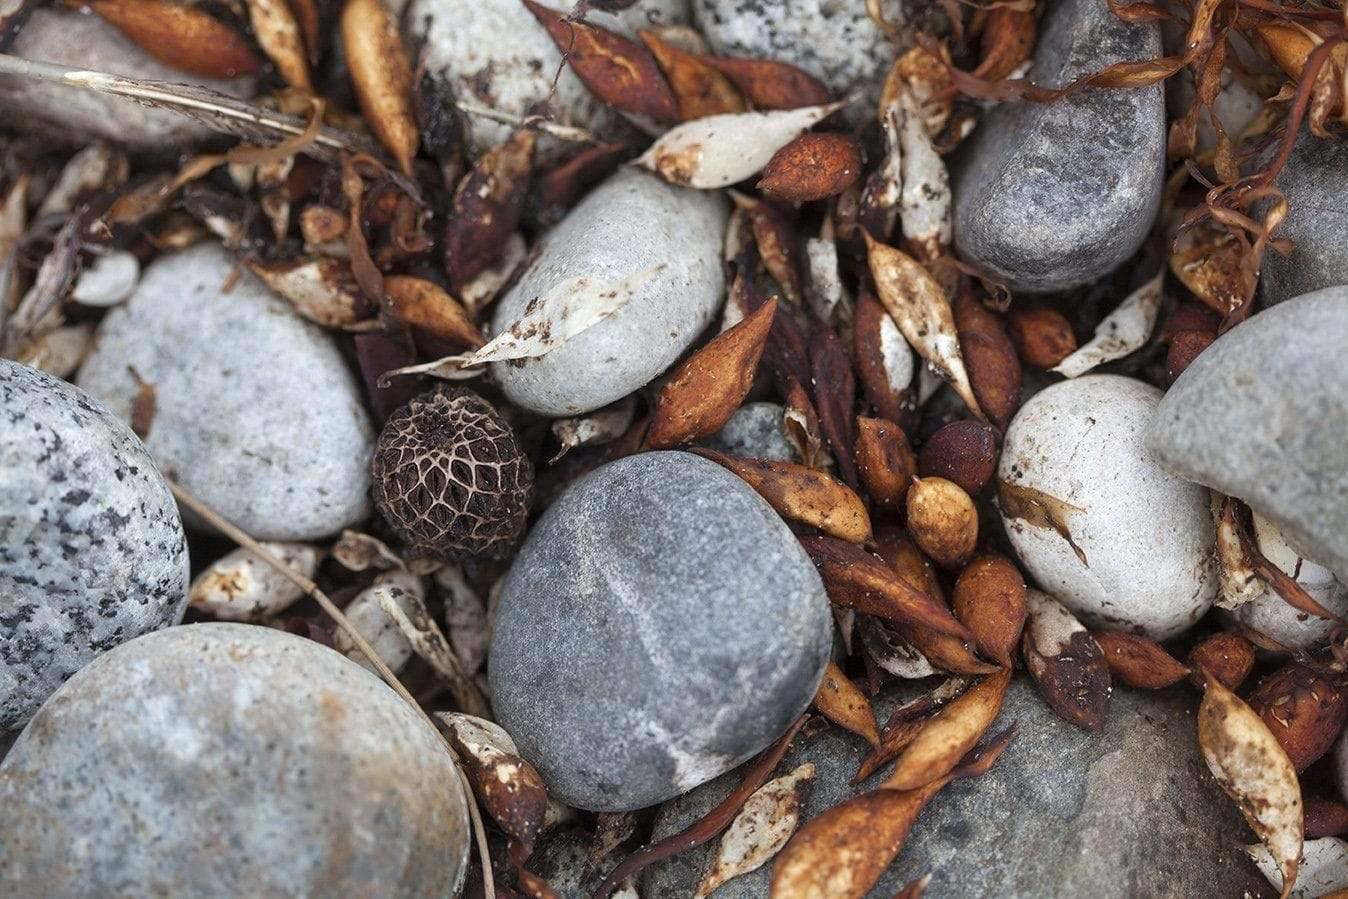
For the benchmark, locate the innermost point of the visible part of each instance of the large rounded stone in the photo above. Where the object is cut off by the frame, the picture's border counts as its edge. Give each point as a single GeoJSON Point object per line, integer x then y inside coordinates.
{"type": "Point", "coordinates": [1094, 519]}
{"type": "Point", "coordinates": [633, 223]}
{"type": "Point", "coordinates": [74, 116]}
{"type": "Point", "coordinates": [91, 547]}
{"type": "Point", "coordinates": [756, 431]}
{"type": "Point", "coordinates": [1261, 415]}
{"type": "Point", "coordinates": [660, 625]}
{"type": "Point", "coordinates": [1129, 812]}
{"type": "Point", "coordinates": [1313, 181]}
{"type": "Point", "coordinates": [1052, 195]}
{"type": "Point", "coordinates": [229, 760]}
{"type": "Point", "coordinates": [256, 411]}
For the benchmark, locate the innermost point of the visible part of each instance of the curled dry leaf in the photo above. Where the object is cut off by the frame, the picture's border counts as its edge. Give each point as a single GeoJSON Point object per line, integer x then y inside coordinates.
{"type": "Point", "coordinates": [839, 700]}
{"type": "Point", "coordinates": [943, 520]}
{"type": "Point", "coordinates": [602, 426]}
{"type": "Point", "coordinates": [769, 84]}
{"type": "Point", "coordinates": [802, 494]}
{"type": "Point", "coordinates": [989, 599]}
{"type": "Point", "coordinates": [767, 820]}
{"type": "Point", "coordinates": [1139, 661]}
{"type": "Point", "coordinates": [381, 76]}
{"type": "Point", "coordinates": [964, 452]}
{"type": "Point", "coordinates": [59, 351]}
{"type": "Point", "coordinates": [488, 205]}
{"type": "Point", "coordinates": [618, 71]}
{"type": "Point", "coordinates": [1207, 259]}
{"type": "Point", "coordinates": [1304, 709]}
{"type": "Point", "coordinates": [181, 36]}
{"type": "Point", "coordinates": [699, 89]}
{"type": "Point", "coordinates": [856, 579]}
{"type": "Point", "coordinates": [884, 360]}
{"type": "Point", "coordinates": [321, 289]}
{"type": "Point", "coordinates": [725, 149]}
{"type": "Point", "coordinates": [835, 393]}
{"type": "Point", "coordinates": [240, 586]}
{"type": "Point", "coordinates": [1042, 337]}
{"type": "Point", "coordinates": [918, 305]}
{"type": "Point", "coordinates": [510, 788]}
{"type": "Point", "coordinates": [994, 368]}
{"type": "Point", "coordinates": [1006, 42]}
{"type": "Point", "coordinates": [940, 745]}
{"type": "Point", "coordinates": [1225, 656]}
{"type": "Point", "coordinates": [1065, 662]}
{"type": "Point", "coordinates": [706, 389]}
{"type": "Point", "coordinates": [279, 35]}
{"type": "Point", "coordinates": [1255, 771]}
{"type": "Point", "coordinates": [814, 166]}
{"type": "Point", "coordinates": [423, 304]}
{"type": "Point", "coordinates": [1322, 874]}
{"type": "Point", "coordinates": [1123, 331]}
{"type": "Point", "coordinates": [885, 462]}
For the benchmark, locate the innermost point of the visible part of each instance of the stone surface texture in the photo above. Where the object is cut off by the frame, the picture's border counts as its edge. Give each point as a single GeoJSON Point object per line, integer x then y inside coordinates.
{"type": "Point", "coordinates": [756, 431]}
{"type": "Point", "coordinates": [1314, 181]}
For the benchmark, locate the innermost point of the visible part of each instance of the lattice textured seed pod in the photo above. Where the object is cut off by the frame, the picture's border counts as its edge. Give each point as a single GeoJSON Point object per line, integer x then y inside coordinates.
{"type": "Point", "coordinates": [450, 478]}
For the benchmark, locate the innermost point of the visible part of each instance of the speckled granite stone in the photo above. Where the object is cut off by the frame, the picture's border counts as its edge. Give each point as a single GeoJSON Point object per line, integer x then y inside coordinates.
{"type": "Point", "coordinates": [757, 431]}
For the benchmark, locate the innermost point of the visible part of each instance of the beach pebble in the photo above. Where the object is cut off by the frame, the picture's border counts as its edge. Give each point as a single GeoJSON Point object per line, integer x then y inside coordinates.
{"type": "Point", "coordinates": [1052, 195]}
{"type": "Point", "coordinates": [632, 223]}
{"type": "Point", "coordinates": [74, 116]}
{"type": "Point", "coordinates": [1313, 180]}
{"type": "Point", "coordinates": [1140, 555]}
{"type": "Point", "coordinates": [229, 760]}
{"type": "Point", "coordinates": [1261, 415]}
{"type": "Point", "coordinates": [255, 410]}
{"type": "Point", "coordinates": [1062, 813]}
{"type": "Point", "coordinates": [755, 431]}
{"type": "Point", "coordinates": [500, 56]}
{"type": "Point", "coordinates": [660, 625]}
{"type": "Point", "coordinates": [92, 552]}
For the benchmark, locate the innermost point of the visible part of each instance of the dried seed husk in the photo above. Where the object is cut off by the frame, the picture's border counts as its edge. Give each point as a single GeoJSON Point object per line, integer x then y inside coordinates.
{"type": "Point", "coordinates": [839, 700]}
{"type": "Point", "coordinates": [885, 462]}
{"type": "Point", "coordinates": [1007, 40]}
{"type": "Point", "coordinates": [1185, 347]}
{"type": "Point", "coordinates": [1289, 46]}
{"type": "Point", "coordinates": [1304, 709]}
{"type": "Point", "coordinates": [1207, 259]}
{"type": "Point", "coordinates": [943, 520]}
{"type": "Point", "coordinates": [1139, 661]}
{"type": "Point", "coordinates": [321, 289]}
{"type": "Point", "coordinates": [1042, 337]}
{"type": "Point", "coordinates": [1225, 656]}
{"type": "Point", "coordinates": [834, 398]}
{"type": "Point", "coordinates": [856, 579]}
{"type": "Point", "coordinates": [382, 77]}
{"type": "Point", "coordinates": [776, 240]}
{"type": "Point", "coordinates": [814, 166]}
{"type": "Point", "coordinates": [180, 36]}
{"type": "Point", "coordinates": [763, 826]}
{"type": "Point", "coordinates": [509, 788]}
{"type": "Point", "coordinates": [925, 200]}
{"type": "Point", "coordinates": [769, 84]}
{"type": "Point", "coordinates": [802, 494]}
{"type": "Point", "coordinates": [618, 71]}
{"type": "Point", "coordinates": [829, 299]}
{"type": "Point", "coordinates": [801, 424]}
{"type": "Point", "coordinates": [1123, 331]}
{"type": "Point", "coordinates": [240, 586]}
{"type": "Point", "coordinates": [278, 33]}
{"type": "Point", "coordinates": [886, 649]}
{"type": "Point", "coordinates": [488, 205]}
{"type": "Point", "coordinates": [423, 304]}
{"type": "Point", "coordinates": [989, 599]}
{"type": "Point", "coordinates": [599, 427]}
{"type": "Point", "coordinates": [884, 359]}
{"type": "Point", "coordinates": [1065, 662]}
{"type": "Point", "coordinates": [994, 367]}
{"type": "Point", "coordinates": [954, 730]}
{"type": "Point", "coordinates": [706, 389]}
{"type": "Point", "coordinates": [699, 89]}
{"type": "Point", "coordinates": [964, 452]}
{"type": "Point", "coordinates": [924, 74]}
{"type": "Point", "coordinates": [1255, 771]}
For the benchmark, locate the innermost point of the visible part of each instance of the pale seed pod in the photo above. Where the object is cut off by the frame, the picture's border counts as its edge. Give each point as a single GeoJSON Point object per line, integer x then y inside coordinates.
{"type": "Point", "coordinates": [240, 586]}
{"type": "Point", "coordinates": [943, 520]}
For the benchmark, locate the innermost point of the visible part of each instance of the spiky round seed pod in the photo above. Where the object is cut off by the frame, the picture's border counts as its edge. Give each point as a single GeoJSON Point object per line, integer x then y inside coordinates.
{"type": "Point", "coordinates": [450, 478]}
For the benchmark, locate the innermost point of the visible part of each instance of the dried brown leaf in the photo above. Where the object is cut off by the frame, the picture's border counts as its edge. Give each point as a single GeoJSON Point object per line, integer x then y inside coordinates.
{"type": "Point", "coordinates": [1207, 259]}
{"type": "Point", "coordinates": [423, 304]}
{"type": "Point", "coordinates": [763, 826]}
{"type": "Point", "coordinates": [769, 84]}
{"type": "Point", "coordinates": [1065, 662]}
{"type": "Point", "coordinates": [321, 289]}
{"type": "Point", "coordinates": [180, 36]}
{"type": "Point", "coordinates": [940, 745]}
{"type": "Point", "coordinates": [989, 599]}
{"type": "Point", "coordinates": [839, 700]}
{"type": "Point", "coordinates": [488, 205]}
{"type": "Point", "coordinates": [884, 359]}
{"type": "Point", "coordinates": [885, 462]}
{"type": "Point", "coordinates": [1304, 709]}
{"type": "Point", "coordinates": [834, 399]}
{"type": "Point", "coordinates": [1225, 656]}
{"type": "Point", "coordinates": [943, 520]}
{"type": "Point", "coordinates": [279, 35]}
{"type": "Point", "coordinates": [382, 77]}
{"type": "Point", "coordinates": [699, 89]}
{"type": "Point", "coordinates": [802, 494]}
{"type": "Point", "coordinates": [814, 166]}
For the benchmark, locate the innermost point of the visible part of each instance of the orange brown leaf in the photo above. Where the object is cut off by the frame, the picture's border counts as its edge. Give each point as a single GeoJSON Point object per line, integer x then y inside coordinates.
{"type": "Point", "coordinates": [699, 89]}
{"type": "Point", "coordinates": [954, 730]}
{"type": "Point", "coordinates": [839, 700]}
{"type": "Point", "coordinates": [180, 36]}
{"type": "Point", "coordinates": [1139, 661]}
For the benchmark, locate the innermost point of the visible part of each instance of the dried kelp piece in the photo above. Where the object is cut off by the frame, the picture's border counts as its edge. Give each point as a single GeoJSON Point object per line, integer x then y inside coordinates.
{"type": "Point", "coordinates": [1123, 331]}
{"type": "Point", "coordinates": [763, 826]}
{"type": "Point", "coordinates": [839, 700]}
{"type": "Point", "coordinates": [181, 36]}
{"type": "Point", "coordinates": [989, 599]}
{"type": "Point", "coordinates": [801, 494]}
{"type": "Point", "coordinates": [952, 732]}
{"type": "Point", "coordinates": [488, 205]}
{"type": "Point", "coordinates": [382, 77]}
{"type": "Point", "coordinates": [1065, 662]}
{"type": "Point", "coordinates": [1139, 661]}
{"type": "Point", "coordinates": [699, 89]}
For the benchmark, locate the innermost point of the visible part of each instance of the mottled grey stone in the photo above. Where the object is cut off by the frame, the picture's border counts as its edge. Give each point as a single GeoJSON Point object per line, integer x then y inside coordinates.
{"type": "Point", "coordinates": [1314, 180]}
{"type": "Point", "coordinates": [1051, 196]}
{"type": "Point", "coordinates": [256, 411]}
{"type": "Point", "coordinates": [660, 625]}
{"type": "Point", "coordinates": [229, 760]}
{"type": "Point", "coordinates": [756, 431]}
{"type": "Point", "coordinates": [1262, 415]}
{"type": "Point", "coordinates": [92, 552]}
{"type": "Point", "coordinates": [630, 224]}
{"type": "Point", "coordinates": [74, 116]}
{"type": "Point", "coordinates": [1129, 812]}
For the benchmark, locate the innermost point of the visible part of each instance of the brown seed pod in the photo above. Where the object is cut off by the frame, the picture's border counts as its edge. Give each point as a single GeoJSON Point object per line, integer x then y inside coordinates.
{"type": "Point", "coordinates": [769, 84]}
{"type": "Point", "coordinates": [1304, 710]}
{"type": "Point", "coordinates": [1184, 349]}
{"type": "Point", "coordinates": [181, 36]}
{"type": "Point", "coordinates": [1042, 337]}
{"type": "Point", "coordinates": [699, 89]}
{"type": "Point", "coordinates": [382, 76]}
{"type": "Point", "coordinates": [989, 600]}
{"type": "Point", "coordinates": [943, 520]}
{"type": "Point", "coordinates": [450, 478]}
{"type": "Point", "coordinates": [814, 166]}
{"type": "Point", "coordinates": [885, 462]}
{"type": "Point", "coordinates": [993, 365]}
{"type": "Point", "coordinates": [963, 451]}
{"type": "Point", "coordinates": [1139, 661]}
{"type": "Point", "coordinates": [1227, 657]}
{"type": "Point", "coordinates": [1066, 662]}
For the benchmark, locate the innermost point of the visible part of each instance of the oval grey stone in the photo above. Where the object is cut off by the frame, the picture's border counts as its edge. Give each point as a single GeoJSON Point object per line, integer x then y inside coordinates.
{"type": "Point", "coordinates": [229, 760]}
{"type": "Point", "coordinates": [632, 223]}
{"type": "Point", "coordinates": [1313, 181]}
{"type": "Point", "coordinates": [755, 431]}
{"type": "Point", "coordinates": [1262, 415]}
{"type": "Point", "coordinates": [660, 625]}
{"type": "Point", "coordinates": [1052, 195]}
{"type": "Point", "coordinates": [256, 411]}
{"type": "Point", "coordinates": [1129, 812]}
{"type": "Point", "coordinates": [92, 551]}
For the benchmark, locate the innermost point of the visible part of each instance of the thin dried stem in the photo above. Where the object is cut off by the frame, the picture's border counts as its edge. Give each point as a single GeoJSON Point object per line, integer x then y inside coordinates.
{"type": "Point", "coordinates": [536, 122]}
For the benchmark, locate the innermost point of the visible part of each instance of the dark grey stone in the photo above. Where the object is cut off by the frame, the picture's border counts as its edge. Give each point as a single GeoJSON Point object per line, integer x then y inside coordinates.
{"type": "Point", "coordinates": [1314, 182]}
{"type": "Point", "coordinates": [660, 625]}
{"type": "Point", "coordinates": [229, 760]}
{"type": "Point", "coordinates": [92, 552]}
{"type": "Point", "coordinates": [756, 431]}
{"type": "Point", "coordinates": [1052, 195]}
{"type": "Point", "coordinates": [1262, 415]}
{"type": "Point", "coordinates": [1130, 812]}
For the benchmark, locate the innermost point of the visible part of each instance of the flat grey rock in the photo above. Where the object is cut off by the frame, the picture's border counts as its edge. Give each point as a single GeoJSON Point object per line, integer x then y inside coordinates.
{"type": "Point", "coordinates": [755, 431]}
{"type": "Point", "coordinates": [633, 223]}
{"type": "Point", "coordinates": [256, 412]}
{"type": "Point", "coordinates": [229, 760]}
{"type": "Point", "coordinates": [1262, 415]}
{"type": "Point", "coordinates": [92, 551]}
{"type": "Point", "coordinates": [660, 625]}
{"type": "Point", "coordinates": [74, 116]}
{"type": "Point", "coordinates": [1051, 196]}
{"type": "Point", "coordinates": [1129, 812]}
{"type": "Point", "coordinates": [1314, 181]}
